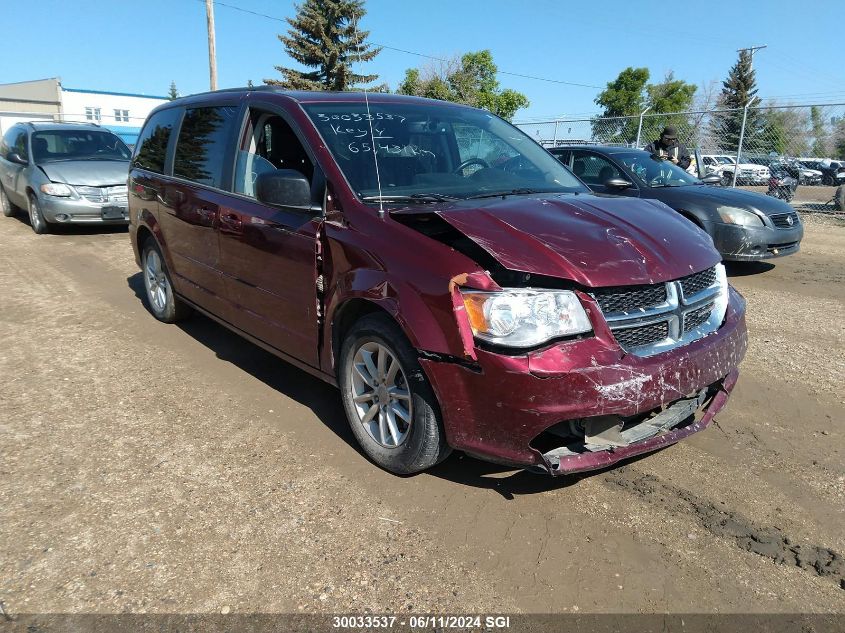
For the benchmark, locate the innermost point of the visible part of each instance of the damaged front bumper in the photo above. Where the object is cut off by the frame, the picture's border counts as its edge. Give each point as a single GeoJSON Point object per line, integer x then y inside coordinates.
{"type": "Point", "coordinates": [748, 243]}
{"type": "Point", "coordinates": [509, 409]}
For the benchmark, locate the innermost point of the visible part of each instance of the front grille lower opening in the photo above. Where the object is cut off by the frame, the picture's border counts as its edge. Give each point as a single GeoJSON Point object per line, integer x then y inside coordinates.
{"type": "Point", "coordinates": [569, 437]}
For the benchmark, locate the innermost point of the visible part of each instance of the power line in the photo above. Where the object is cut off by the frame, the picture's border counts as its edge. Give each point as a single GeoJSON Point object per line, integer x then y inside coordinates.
{"type": "Point", "coordinates": [417, 54]}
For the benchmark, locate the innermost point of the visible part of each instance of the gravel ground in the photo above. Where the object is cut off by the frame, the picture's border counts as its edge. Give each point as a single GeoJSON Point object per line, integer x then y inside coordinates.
{"type": "Point", "coordinates": [155, 468]}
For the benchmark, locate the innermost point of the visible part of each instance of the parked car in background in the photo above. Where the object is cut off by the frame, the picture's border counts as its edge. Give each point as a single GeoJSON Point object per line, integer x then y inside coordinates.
{"type": "Point", "coordinates": [806, 175]}
{"type": "Point", "coordinates": [743, 225]}
{"type": "Point", "coordinates": [461, 287]}
{"type": "Point", "coordinates": [63, 173]}
{"type": "Point", "coordinates": [724, 166]}
{"type": "Point", "coordinates": [832, 171]}
{"type": "Point", "coordinates": [803, 175]}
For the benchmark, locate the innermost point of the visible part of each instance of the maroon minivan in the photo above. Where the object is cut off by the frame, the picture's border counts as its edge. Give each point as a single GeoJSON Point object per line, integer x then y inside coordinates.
{"type": "Point", "coordinates": [461, 287]}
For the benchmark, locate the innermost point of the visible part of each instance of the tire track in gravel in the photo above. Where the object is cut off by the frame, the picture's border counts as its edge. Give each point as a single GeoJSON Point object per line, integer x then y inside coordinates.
{"type": "Point", "coordinates": [767, 541]}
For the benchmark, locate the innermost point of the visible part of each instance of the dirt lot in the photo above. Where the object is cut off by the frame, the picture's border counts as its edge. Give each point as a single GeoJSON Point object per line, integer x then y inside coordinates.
{"type": "Point", "coordinates": [148, 467]}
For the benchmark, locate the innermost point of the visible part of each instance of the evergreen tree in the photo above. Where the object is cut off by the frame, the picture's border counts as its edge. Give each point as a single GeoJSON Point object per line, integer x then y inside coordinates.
{"type": "Point", "coordinates": [739, 90]}
{"type": "Point", "coordinates": [324, 36]}
{"type": "Point", "coordinates": [173, 94]}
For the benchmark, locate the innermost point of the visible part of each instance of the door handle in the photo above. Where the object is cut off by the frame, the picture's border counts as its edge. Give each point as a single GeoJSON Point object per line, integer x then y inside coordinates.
{"type": "Point", "coordinates": [231, 222]}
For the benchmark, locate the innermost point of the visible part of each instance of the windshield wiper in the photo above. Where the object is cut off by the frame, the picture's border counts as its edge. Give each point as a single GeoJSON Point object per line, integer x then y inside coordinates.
{"type": "Point", "coordinates": [497, 194]}
{"type": "Point", "coordinates": [414, 197]}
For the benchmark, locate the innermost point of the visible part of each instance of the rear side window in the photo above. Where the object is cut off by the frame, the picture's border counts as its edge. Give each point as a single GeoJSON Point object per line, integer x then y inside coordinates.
{"type": "Point", "coordinates": [151, 148]}
{"type": "Point", "coordinates": [201, 147]}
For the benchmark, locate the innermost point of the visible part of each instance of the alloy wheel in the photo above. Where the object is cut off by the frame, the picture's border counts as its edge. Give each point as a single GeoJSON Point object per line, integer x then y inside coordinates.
{"type": "Point", "coordinates": [380, 394]}
{"type": "Point", "coordinates": [155, 281]}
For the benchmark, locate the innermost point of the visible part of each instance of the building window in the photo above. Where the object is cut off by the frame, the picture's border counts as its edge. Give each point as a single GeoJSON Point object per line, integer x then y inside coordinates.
{"type": "Point", "coordinates": [92, 114]}
{"type": "Point", "coordinates": [121, 115]}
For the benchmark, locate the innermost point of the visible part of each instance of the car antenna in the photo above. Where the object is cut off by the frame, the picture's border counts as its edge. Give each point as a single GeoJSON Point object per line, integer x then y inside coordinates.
{"type": "Point", "coordinates": [372, 135]}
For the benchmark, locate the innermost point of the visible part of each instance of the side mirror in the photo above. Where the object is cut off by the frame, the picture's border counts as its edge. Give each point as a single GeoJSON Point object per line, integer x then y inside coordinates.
{"type": "Point", "coordinates": [711, 179]}
{"type": "Point", "coordinates": [14, 157]}
{"type": "Point", "coordinates": [618, 183]}
{"type": "Point", "coordinates": [284, 188]}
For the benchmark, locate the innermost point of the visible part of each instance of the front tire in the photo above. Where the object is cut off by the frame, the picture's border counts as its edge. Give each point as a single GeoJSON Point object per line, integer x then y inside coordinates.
{"type": "Point", "coordinates": [6, 205]}
{"type": "Point", "coordinates": [161, 300]}
{"type": "Point", "coordinates": [389, 402]}
{"type": "Point", "coordinates": [39, 225]}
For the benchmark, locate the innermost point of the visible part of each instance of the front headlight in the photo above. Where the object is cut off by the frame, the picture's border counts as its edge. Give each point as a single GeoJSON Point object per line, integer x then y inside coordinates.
{"type": "Point", "coordinates": [735, 215]}
{"type": "Point", "coordinates": [57, 189]}
{"type": "Point", "coordinates": [518, 317]}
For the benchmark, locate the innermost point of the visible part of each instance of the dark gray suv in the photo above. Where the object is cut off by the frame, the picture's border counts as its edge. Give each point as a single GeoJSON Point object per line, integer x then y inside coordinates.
{"type": "Point", "coordinates": [63, 173]}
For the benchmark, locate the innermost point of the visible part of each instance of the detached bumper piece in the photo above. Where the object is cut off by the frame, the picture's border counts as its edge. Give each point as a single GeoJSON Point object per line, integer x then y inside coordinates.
{"type": "Point", "coordinates": [593, 443]}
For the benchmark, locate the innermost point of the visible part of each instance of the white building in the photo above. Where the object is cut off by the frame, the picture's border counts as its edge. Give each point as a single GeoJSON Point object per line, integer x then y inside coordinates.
{"type": "Point", "coordinates": [47, 99]}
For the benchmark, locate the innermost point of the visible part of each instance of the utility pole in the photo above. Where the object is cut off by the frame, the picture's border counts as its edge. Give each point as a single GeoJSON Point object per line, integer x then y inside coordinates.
{"type": "Point", "coordinates": [212, 46]}
{"type": "Point", "coordinates": [751, 50]}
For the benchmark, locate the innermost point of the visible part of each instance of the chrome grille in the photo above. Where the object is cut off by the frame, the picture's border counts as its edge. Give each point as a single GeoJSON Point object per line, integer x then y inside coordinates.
{"type": "Point", "coordinates": [649, 319]}
{"type": "Point", "coordinates": [698, 317]}
{"type": "Point", "coordinates": [114, 193]}
{"type": "Point", "coordinates": [630, 298]}
{"type": "Point", "coordinates": [785, 220]}
{"type": "Point", "coordinates": [640, 336]}
{"type": "Point", "coordinates": [695, 283]}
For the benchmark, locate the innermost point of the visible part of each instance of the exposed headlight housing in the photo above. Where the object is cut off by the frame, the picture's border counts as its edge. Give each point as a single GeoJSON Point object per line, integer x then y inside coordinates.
{"type": "Point", "coordinates": [720, 306]}
{"type": "Point", "coordinates": [56, 189]}
{"type": "Point", "coordinates": [742, 217]}
{"type": "Point", "coordinates": [517, 317]}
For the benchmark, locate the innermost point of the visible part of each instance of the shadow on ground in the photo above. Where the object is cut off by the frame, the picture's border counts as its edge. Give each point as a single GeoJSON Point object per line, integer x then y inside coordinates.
{"type": "Point", "coordinates": [743, 269]}
{"type": "Point", "coordinates": [324, 400]}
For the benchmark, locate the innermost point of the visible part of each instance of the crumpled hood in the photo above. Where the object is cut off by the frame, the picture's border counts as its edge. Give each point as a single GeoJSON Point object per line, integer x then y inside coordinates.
{"type": "Point", "coordinates": [90, 173]}
{"type": "Point", "coordinates": [594, 241]}
{"type": "Point", "coordinates": [707, 197]}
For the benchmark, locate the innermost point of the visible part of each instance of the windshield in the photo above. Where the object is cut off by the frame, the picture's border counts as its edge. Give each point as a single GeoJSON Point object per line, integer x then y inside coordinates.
{"type": "Point", "coordinates": [655, 172]}
{"type": "Point", "coordinates": [431, 152]}
{"type": "Point", "coordinates": [77, 145]}
{"type": "Point", "coordinates": [725, 160]}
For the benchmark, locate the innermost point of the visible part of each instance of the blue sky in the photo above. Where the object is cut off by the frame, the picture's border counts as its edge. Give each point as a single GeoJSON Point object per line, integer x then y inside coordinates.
{"type": "Point", "coordinates": [142, 46]}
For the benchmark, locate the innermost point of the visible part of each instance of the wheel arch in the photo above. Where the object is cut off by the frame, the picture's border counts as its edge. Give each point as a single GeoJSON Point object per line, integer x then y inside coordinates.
{"type": "Point", "coordinates": [349, 312]}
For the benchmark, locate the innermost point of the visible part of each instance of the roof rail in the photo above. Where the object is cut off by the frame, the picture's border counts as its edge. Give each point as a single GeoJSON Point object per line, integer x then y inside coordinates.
{"type": "Point", "coordinates": [33, 122]}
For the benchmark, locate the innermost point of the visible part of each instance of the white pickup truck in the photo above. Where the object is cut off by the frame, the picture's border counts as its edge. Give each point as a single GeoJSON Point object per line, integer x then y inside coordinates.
{"type": "Point", "coordinates": [724, 166]}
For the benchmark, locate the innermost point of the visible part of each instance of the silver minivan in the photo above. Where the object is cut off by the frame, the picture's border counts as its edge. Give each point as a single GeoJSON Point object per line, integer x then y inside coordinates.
{"type": "Point", "coordinates": [63, 173]}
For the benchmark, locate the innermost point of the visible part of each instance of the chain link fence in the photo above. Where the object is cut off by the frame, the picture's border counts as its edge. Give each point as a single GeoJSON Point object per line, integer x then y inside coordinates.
{"type": "Point", "coordinates": [815, 133]}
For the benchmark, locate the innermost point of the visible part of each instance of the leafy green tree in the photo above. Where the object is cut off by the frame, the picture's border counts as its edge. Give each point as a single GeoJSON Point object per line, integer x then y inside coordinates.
{"type": "Point", "coordinates": [324, 36]}
{"type": "Point", "coordinates": [671, 97]}
{"type": "Point", "coordinates": [173, 93]}
{"type": "Point", "coordinates": [739, 90]}
{"type": "Point", "coordinates": [785, 131]}
{"type": "Point", "coordinates": [630, 94]}
{"type": "Point", "coordinates": [819, 132]}
{"type": "Point", "coordinates": [624, 97]}
{"type": "Point", "coordinates": [471, 80]}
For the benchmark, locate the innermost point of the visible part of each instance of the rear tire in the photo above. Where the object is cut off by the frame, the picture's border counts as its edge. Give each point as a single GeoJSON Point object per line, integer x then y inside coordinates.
{"type": "Point", "coordinates": [161, 300]}
{"type": "Point", "coordinates": [727, 179]}
{"type": "Point", "coordinates": [39, 225]}
{"type": "Point", "coordinates": [389, 402]}
{"type": "Point", "coordinates": [6, 205]}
